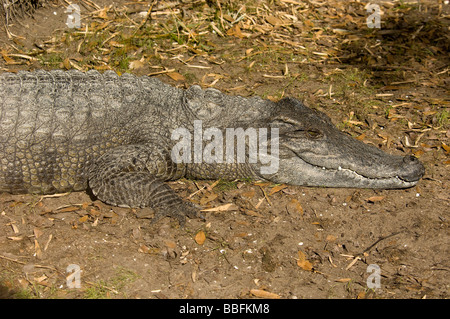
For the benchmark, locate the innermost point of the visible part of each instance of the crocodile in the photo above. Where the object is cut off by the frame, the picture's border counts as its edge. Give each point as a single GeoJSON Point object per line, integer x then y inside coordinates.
{"type": "Point", "coordinates": [113, 136]}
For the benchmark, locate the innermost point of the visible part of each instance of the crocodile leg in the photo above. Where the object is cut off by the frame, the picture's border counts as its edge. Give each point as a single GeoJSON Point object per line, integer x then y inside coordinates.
{"type": "Point", "coordinates": [134, 175]}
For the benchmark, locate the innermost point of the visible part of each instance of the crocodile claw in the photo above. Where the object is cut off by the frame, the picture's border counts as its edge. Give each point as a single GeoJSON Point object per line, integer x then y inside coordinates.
{"type": "Point", "coordinates": [179, 212]}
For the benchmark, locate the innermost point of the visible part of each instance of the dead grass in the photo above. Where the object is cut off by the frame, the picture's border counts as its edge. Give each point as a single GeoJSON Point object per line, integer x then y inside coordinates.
{"type": "Point", "coordinates": [387, 87]}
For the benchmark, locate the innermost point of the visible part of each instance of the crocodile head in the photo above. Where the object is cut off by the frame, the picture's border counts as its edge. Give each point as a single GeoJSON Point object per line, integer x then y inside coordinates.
{"type": "Point", "coordinates": [313, 152]}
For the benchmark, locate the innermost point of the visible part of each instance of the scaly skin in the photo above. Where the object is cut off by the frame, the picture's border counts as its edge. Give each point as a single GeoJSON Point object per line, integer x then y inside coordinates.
{"type": "Point", "coordinates": [69, 131]}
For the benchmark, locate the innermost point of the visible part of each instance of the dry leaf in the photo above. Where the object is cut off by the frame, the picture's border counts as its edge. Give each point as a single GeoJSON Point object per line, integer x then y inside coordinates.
{"type": "Point", "coordinates": [236, 31]}
{"type": "Point", "coordinates": [274, 20]}
{"type": "Point", "coordinates": [7, 58]}
{"type": "Point", "coordinates": [50, 237]}
{"type": "Point", "coordinates": [37, 249]}
{"type": "Point", "coordinates": [260, 202]}
{"type": "Point", "coordinates": [292, 2]}
{"type": "Point", "coordinates": [170, 244]}
{"type": "Point", "coordinates": [76, 66]}
{"type": "Point", "coordinates": [68, 209]}
{"type": "Point", "coordinates": [15, 228]}
{"type": "Point", "coordinates": [277, 189]}
{"type": "Point", "coordinates": [361, 295]}
{"type": "Point", "coordinates": [418, 153]}
{"type": "Point", "coordinates": [361, 137]}
{"type": "Point", "coordinates": [143, 249]}
{"type": "Point", "coordinates": [309, 23]}
{"type": "Point", "coordinates": [208, 198]}
{"type": "Point", "coordinates": [146, 250]}
{"type": "Point", "coordinates": [264, 294]}
{"type": "Point", "coordinates": [110, 214]}
{"type": "Point", "coordinates": [15, 237]}
{"type": "Point", "coordinates": [94, 212]}
{"type": "Point", "coordinates": [249, 194]}
{"type": "Point", "coordinates": [221, 208]}
{"type": "Point", "coordinates": [210, 187]}
{"type": "Point", "coordinates": [176, 76]}
{"type": "Point", "coordinates": [136, 64]}
{"type": "Point", "coordinates": [83, 219]}
{"type": "Point", "coordinates": [136, 233]}
{"type": "Point", "coordinates": [116, 44]}
{"type": "Point", "coordinates": [294, 208]}
{"type": "Point", "coordinates": [66, 63]}
{"type": "Point", "coordinates": [37, 232]}
{"type": "Point", "coordinates": [241, 235]}
{"type": "Point", "coordinates": [252, 213]}
{"type": "Point", "coordinates": [103, 13]}
{"type": "Point", "coordinates": [344, 279]}
{"type": "Point", "coordinates": [200, 237]}
{"type": "Point", "coordinates": [374, 199]}
{"type": "Point", "coordinates": [302, 262]}
{"type": "Point", "coordinates": [261, 184]}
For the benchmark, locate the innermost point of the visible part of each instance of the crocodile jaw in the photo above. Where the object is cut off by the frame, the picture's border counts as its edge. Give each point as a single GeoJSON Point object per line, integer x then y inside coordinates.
{"type": "Point", "coordinates": [302, 173]}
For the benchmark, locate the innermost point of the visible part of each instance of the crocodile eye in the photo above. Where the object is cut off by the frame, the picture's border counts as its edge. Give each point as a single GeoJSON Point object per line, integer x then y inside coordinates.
{"type": "Point", "coordinates": [314, 133]}
{"type": "Point", "coordinates": [309, 133]}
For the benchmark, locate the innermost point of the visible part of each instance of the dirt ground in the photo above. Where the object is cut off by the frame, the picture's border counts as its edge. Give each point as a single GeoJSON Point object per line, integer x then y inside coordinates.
{"type": "Point", "coordinates": [387, 86]}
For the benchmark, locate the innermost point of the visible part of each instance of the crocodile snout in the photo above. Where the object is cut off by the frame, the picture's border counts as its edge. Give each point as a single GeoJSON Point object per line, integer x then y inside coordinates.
{"type": "Point", "coordinates": [412, 169]}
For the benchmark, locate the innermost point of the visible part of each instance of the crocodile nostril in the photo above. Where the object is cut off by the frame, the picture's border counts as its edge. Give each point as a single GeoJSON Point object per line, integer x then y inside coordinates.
{"type": "Point", "coordinates": [413, 170]}
{"type": "Point", "coordinates": [409, 159]}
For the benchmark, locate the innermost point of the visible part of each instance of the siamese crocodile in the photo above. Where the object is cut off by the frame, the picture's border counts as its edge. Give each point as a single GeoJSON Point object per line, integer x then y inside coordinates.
{"type": "Point", "coordinates": [113, 135]}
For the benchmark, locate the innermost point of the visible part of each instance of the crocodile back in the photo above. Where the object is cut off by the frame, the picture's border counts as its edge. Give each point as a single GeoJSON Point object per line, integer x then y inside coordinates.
{"type": "Point", "coordinates": [53, 124]}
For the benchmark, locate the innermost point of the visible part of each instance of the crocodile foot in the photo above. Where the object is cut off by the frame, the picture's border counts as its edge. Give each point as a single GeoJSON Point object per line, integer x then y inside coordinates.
{"type": "Point", "coordinates": [179, 212]}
